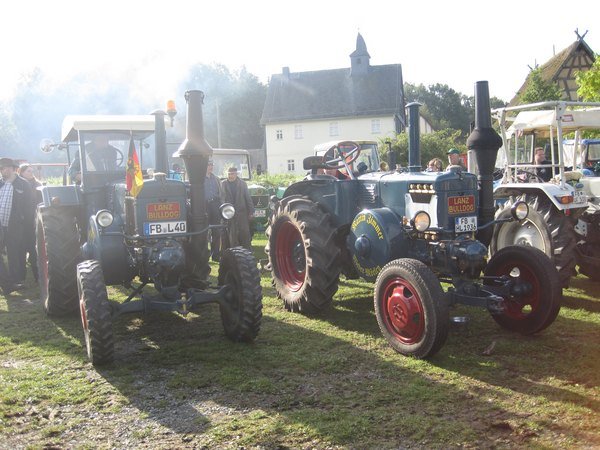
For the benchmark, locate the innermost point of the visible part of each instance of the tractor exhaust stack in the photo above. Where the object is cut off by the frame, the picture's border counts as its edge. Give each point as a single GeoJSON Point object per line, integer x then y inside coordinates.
{"type": "Point", "coordinates": [485, 142]}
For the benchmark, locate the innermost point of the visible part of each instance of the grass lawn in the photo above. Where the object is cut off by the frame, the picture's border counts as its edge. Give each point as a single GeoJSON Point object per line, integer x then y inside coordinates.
{"type": "Point", "coordinates": [329, 381]}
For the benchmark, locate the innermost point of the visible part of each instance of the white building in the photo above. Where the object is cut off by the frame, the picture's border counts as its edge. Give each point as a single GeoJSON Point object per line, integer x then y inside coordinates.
{"type": "Point", "coordinates": [303, 109]}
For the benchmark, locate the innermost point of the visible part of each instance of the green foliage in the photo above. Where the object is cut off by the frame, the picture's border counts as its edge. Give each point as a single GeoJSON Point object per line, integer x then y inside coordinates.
{"type": "Point", "coordinates": [589, 83]}
{"type": "Point", "coordinates": [540, 90]}
{"type": "Point", "coordinates": [233, 105]}
{"type": "Point", "coordinates": [433, 145]}
{"type": "Point", "coordinates": [276, 180]}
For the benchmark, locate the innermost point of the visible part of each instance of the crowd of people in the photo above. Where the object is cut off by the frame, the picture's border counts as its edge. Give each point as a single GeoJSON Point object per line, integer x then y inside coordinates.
{"type": "Point", "coordinates": [18, 201]}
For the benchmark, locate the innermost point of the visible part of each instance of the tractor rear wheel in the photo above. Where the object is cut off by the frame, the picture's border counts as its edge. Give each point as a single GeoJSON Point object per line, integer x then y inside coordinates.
{"type": "Point", "coordinates": [241, 310]}
{"type": "Point", "coordinates": [545, 228]}
{"type": "Point", "coordinates": [58, 254]}
{"type": "Point", "coordinates": [303, 255]}
{"type": "Point", "coordinates": [96, 314]}
{"type": "Point", "coordinates": [411, 308]}
{"type": "Point", "coordinates": [537, 294]}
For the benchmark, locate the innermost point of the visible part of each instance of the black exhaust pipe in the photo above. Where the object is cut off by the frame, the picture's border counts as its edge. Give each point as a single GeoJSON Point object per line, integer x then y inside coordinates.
{"type": "Point", "coordinates": [414, 148]}
{"type": "Point", "coordinates": [485, 142]}
{"type": "Point", "coordinates": [196, 152]}
{"type": "Point", "coordinates": [160, 138]}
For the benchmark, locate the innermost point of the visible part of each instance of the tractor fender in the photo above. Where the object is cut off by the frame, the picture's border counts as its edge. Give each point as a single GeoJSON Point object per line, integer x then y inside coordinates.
{"type": "Point", "coordinates": [375, 238]}
{"type": "Point", "coordinates": [110, 250]}
{"type": "Point", "coordinates": [60, 195]}
{"type": "Point", "coordinates": [553, 192]}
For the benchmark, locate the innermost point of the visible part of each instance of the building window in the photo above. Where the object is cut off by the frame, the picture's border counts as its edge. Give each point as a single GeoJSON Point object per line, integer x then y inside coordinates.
{"type": "Point", "coordinates": [333, 129]}
{"type": "Point", "coordinates": [279, 135]}
{"type": "Point", "coordinates": [375, 126]}
{"type": "Point", "coordinates": [291, 165]}
{"type": "Point", "coordinates": [298, 132]}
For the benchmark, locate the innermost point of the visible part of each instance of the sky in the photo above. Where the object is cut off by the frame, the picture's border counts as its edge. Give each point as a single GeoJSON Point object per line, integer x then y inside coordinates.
{"type": "Point", "coordinates": [150, 44]}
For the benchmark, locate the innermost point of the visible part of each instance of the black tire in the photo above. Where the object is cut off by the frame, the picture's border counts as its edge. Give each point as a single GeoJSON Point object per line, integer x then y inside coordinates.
{"type": "Point", "coordinates": [241, 311]}
{"type": "Point", "coordinates": [408, 289]}
{"type": "Point", "coordinates": [96, 316]}
{"type": "Point", "coordinates": [545, 228]}
{"type": "Point", "coordinates": [57, 244]}
{"type": "Point", "coordinates": [592, 271]}
{"type": "Point", "coordinates": [303, 256]}
{"type": "Point", "coordinates": [538, 294]}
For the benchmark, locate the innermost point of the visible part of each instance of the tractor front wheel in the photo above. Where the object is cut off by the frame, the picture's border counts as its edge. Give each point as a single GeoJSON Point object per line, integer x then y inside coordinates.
{"type": "Point", "coordinates": [58, 253]}
{"type": "Point", "coordinates": [241, 310]}
{"type": "Point", "coordinates": [545, 228]}
{"type": "Point", "coordinates": [96, 315]}
{"type": "Point", "coordinates": [411, 308]}
{"type": "Point", "coordinates": [536, 294]}
{"type": "Point", "coordinates": [303, 255]}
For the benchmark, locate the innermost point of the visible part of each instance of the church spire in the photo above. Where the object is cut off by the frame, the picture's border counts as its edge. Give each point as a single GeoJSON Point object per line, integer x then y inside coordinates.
{"type": "Point", "coordinates": [359, 58]}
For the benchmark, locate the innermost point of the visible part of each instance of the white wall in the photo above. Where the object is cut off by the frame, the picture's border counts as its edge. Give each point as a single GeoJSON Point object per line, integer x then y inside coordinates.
{"type": "Point", "coordinates": [316, 132]}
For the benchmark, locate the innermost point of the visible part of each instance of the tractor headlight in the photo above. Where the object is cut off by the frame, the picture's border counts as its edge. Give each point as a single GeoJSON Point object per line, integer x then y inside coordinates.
{"type": "Point", "coordinates": [104, 218]}
{"type": "Point", "coordinates": [227, 211]}
{"type": "Point", "coordinates": [520, 210]}
{"type": "Point", "coordinates": [421, 221]}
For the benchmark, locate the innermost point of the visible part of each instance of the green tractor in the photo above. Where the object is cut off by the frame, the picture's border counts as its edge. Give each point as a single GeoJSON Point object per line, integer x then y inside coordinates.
{"type": "Point", "coordinates": [407, 231]}
{"type": "Point", "coordinates": [103, 231]}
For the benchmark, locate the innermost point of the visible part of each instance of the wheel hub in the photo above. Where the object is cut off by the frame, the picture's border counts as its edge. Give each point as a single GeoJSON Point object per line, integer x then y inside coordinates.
{"type": "Point", "coordinates": [404, 311]}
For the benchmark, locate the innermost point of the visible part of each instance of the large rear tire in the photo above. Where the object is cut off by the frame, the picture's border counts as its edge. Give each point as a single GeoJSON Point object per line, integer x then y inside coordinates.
{"type": "Point", "coordinates": [537, 294]}
{"type": "Point", "coordinates": [303, 255]}
{"type": "Point", "coordinates": [545, 228]}
{"type": "Point", "coordinates": [57, 244]}
{"type": "Point", "coordinates": [411, 308]}
{"type": "Point", "coordinates": [96, 315]}
{"type": "Point", "coordinates": [241, 311]}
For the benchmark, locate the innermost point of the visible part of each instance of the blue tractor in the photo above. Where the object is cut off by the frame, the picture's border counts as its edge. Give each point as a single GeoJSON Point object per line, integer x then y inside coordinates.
{"type": "Point", "coordinates": [99, 232]}
{"type": "Point", "coordinates": [407, 231]}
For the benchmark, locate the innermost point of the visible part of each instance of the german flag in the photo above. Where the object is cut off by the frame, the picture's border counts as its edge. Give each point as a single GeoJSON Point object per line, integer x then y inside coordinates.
{"type": "Point", "coordinates": [133, 177]}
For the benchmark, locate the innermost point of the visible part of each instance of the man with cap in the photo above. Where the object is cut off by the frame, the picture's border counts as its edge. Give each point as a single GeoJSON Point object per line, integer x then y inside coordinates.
{"type": "Point", "coordinates": [236, 192]}
{"type": "Point", "coordinates": [213, 192]}
{"type": "Point", "coordinates": [454, 158]}
{"type": "Point", "coordinates": [16, 201]}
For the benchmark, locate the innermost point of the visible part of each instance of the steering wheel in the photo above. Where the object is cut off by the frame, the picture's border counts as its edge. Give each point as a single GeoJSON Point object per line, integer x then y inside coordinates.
{"type": "Point", "coordinates": [529, 176]}
{"type": "Point", "coordinates": [120, 157]}
{"type": "Point", "coordinates": [342, 155]}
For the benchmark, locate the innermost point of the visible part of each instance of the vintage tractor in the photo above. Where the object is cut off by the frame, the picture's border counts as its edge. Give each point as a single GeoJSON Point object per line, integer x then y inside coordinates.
{"type": "Point", "coordinates": [100, 233]}
{"type": "Point", "coordinates": [564, 212]}
{"type": "Point", "coordinates": [408, 231]}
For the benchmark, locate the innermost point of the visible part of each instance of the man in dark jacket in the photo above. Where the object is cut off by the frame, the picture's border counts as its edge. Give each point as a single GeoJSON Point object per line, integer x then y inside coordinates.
{"type": "Point", "coordinates": [213, 191]}
{"type": "Point", "coordinates": [236, 192]}
{"type": "Point", "coordinates": [16, 200]}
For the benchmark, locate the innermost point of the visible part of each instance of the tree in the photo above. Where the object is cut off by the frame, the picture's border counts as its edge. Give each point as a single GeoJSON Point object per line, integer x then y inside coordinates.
{"type": "Point", "coordinates": [539, 90]}
{"type": "Point", "coordinates": [432, 145]}
{"type": "Point", "coordinates": [233, 105]}
{"type": "Point", "coordinates": [589, 83]}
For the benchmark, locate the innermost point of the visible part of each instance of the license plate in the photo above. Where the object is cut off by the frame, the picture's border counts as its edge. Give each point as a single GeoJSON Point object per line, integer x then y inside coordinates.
{"type": "Point", "coordinates": [260, 213]}
{"type": "Point", "coordinates": [158, 228]}
{"type": "Point", "coordinates": [465, 224]}
{"type": "Point", "coordinates": [579, 198]}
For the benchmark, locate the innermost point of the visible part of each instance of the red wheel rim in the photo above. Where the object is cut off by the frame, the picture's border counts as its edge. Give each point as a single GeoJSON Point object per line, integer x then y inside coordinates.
{"type": "Point", "coordinates": [403, 311]}
{"type": "Point", "coordinates": [519, 307]}
{"type": "Point", "coordinates": [291, 257]}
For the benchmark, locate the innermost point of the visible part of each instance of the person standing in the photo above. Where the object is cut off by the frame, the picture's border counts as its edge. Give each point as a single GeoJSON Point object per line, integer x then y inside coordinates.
{"type": "Point", "coordinates": [16, 199]}
{"type": "Point", "coordinates": [236, 192]}
{"type": "Point", "coordinates": [29, 252]}
{"type": "Point", "coordinates": [213, 192]}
